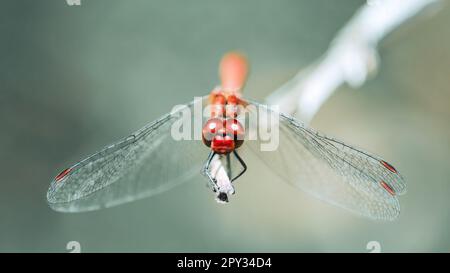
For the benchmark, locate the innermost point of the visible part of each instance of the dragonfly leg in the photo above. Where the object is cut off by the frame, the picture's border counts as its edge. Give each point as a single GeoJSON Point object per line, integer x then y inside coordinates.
{"type": "Point", "coordinates": [228, 165]}
{"type": "Point", "coordinates": [212, 183]}
{"type": "Point", "coordinates": [244, 166]}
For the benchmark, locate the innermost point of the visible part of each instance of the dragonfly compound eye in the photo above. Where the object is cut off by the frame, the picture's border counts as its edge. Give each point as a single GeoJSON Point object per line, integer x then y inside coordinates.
{"type": "Point", "coordinates": [211, 128]}
{"type": "Point", "coordinates": [235, 129]}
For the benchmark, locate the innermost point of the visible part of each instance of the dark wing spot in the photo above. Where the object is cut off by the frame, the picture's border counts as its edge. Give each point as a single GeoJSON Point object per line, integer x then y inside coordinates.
{"type": "Point", "coordinates": [62, 174]}
{"type": "Point", "coordinates": [388, 166]}
{"type": "Point", "coordinates": [387, 188]}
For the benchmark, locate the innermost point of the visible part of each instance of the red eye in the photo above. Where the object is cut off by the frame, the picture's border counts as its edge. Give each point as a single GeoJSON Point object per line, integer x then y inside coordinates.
{"type": "Point", "coordinates": [234, 128]}
{"type": "Point", "coordinates": [211, 128]}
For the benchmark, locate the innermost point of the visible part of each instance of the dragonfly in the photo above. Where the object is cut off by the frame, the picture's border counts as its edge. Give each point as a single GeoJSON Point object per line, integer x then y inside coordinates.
{"type": "Point", "coordinates": [151, 161]}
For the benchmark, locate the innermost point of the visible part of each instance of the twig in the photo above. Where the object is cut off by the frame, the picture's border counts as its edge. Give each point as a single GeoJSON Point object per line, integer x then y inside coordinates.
{"type": "Point", "coordinates": [351, 57]}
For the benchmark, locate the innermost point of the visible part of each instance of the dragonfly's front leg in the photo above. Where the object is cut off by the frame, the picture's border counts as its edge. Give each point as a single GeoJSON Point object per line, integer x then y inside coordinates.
{"type": "Point", "coordinates": [212, 182]}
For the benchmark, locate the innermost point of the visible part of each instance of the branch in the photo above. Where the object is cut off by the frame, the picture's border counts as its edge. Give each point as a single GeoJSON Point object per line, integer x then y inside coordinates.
{"type": "Point", "coordinates": [351, 57]}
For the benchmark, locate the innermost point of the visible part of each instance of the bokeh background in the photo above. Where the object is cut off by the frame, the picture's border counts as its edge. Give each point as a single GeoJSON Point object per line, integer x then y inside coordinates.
{"type": "Point", "coordinates": [76, 78]}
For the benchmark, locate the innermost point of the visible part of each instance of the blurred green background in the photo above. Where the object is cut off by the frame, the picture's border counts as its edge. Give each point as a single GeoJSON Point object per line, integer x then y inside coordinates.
{"type": "Point", "coordinates": [76, 78]}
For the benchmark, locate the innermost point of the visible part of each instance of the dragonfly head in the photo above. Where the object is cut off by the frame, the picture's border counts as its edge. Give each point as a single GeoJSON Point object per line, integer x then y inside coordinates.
{"type": "Point", "coordinates": [223, 135]}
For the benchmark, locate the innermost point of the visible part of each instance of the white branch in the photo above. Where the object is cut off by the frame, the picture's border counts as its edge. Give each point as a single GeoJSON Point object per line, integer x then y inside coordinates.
{"type": "Point", "coordinates": [351, 57]}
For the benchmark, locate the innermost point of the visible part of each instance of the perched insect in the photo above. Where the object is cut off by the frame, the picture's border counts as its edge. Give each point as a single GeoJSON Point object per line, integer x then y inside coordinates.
{"type": "Point", "coordinates": [151, 160]}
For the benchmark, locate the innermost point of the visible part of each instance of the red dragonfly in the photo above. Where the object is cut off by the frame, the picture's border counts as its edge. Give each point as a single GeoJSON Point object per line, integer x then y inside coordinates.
{"type": "Point", "coordinates": [151, 161]}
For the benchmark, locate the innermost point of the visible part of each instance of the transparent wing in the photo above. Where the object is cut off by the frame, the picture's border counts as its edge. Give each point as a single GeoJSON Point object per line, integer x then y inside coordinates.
{"type": "Point", "coordinates": [332, 170]}
{"type": "Point", "coordinates": [146, 163]}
